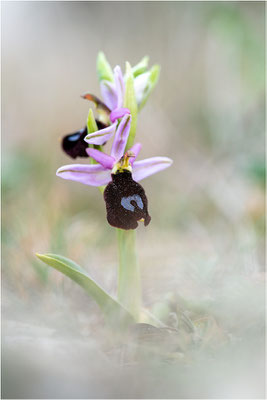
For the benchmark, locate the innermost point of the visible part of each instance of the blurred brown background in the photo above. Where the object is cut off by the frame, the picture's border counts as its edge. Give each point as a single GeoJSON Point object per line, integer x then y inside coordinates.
{"type": "Point", "coordinates": [205, 244]}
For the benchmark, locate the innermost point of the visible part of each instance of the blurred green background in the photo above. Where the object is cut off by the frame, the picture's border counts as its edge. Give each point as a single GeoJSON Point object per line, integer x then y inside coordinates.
{"type": "Point", "coordinates": [202, 254]}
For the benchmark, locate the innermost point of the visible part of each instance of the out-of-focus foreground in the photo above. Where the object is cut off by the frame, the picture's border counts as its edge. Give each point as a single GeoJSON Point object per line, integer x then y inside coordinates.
{"type": "Point", "coordinates": [202, 256]}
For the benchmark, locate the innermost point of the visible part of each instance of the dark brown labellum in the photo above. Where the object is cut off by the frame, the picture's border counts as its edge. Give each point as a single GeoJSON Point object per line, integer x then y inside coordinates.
{"type": "Point", "coordinates": [126, 202]}
{"type": "Point", "coordinates": [74, 144]}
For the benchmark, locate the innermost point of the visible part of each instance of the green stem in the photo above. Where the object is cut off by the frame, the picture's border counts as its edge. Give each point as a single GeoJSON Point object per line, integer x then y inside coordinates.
{"type": "Point", "coordinates": [129, 283]}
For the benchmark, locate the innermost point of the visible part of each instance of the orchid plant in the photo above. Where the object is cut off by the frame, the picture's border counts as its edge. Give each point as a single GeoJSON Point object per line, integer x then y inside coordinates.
{"type": "Point", "coordinates": [117, 175]}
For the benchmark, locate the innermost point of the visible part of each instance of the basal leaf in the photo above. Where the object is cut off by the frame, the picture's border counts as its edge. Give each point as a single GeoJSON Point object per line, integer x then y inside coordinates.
{"type": "Point", "coordinates": [117, 316]}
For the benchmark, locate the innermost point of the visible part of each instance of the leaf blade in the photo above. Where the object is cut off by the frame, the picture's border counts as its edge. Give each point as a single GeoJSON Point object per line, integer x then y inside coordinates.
{"type": "Point", "coordinates": [115, 313]}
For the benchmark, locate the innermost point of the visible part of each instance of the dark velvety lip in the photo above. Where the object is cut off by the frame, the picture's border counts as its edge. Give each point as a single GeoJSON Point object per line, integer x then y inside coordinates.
{"type": "Point", "coordinates": [126, 202]}
{"type": "Point", "coordinates": [74, 144]}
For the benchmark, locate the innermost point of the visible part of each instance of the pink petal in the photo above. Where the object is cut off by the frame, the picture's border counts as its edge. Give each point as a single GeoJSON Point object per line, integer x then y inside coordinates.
{"type": "Point", "coordinates": [109, 94]}
{"type": "Point", "coordinates": [104, 159]}
{"type": "Point", "coordinates": [121, 137]}
{"type": "Point", "coordinates": [118, 113]}
{"type": "Point", "coordinates": [120, 87]}
{"type": "Point", "coordinates": [136, 150]}
{"type": "Point", "coordinates": [149, 166]}
{"type": "Point", "coordinates": [93, 175]}
{"type": "Point", "coordinates": [102, 136]}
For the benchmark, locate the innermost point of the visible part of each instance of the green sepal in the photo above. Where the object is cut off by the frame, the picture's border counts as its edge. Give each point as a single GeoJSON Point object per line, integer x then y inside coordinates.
{"type": "Point", "coordinates": [116, 315]}
{"type": "Point", "coordinates": [91, 122]}
{"type": "Point", "coordinates": [130, 102]}
{"type": "Point", "coordinates": [103, 68]}
{"type": "Point", "coordinates": [153, 79]}
{"type": "Point", "coordinates": [141, 67]}
{"type": "Point", "coordinates": [92, 127]}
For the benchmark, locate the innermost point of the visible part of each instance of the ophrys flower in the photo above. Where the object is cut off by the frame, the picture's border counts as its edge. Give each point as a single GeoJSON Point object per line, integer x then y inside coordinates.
{"type": "Point", "coordinates": [100, 174]}
{"type": "Point", "coordinates": [108, 111]}
{"type": "Point", "coordinates": [126, 201]}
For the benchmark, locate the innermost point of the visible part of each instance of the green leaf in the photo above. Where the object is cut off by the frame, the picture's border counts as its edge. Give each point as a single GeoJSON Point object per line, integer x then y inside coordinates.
{"type": "Point", "coordinates": [141, 67]}
{"type": "Point", "coordinates": [153, 79]}
{"type": "Point", "coordinates": [117, 316]}
{"type": "Point", "coordinates": [104, 70]}
{"type": "Point", "coordinates": [130, 102]}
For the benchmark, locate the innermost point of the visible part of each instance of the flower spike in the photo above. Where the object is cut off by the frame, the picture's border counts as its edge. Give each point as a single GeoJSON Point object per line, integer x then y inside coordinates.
{"type": "Point", "coordinates": [125, 198]}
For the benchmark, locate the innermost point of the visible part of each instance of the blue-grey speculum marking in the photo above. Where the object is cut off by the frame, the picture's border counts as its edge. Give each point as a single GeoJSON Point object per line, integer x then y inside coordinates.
{"type": "Point", "coordinates": [126, 202]}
